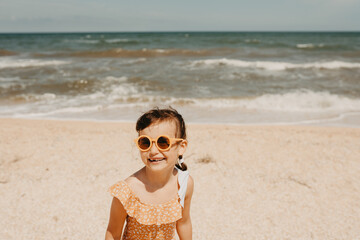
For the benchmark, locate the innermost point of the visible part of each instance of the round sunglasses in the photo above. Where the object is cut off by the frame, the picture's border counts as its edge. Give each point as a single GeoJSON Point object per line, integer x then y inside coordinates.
{"type": "Point", "coordinates": [162, 142]}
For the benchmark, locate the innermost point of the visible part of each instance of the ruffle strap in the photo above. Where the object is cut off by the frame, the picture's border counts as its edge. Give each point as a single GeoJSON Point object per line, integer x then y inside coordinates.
{"type": "Point", "coordinates": [147, 214]}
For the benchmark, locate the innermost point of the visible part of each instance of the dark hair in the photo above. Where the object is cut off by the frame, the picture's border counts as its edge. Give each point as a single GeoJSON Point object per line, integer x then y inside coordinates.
{"type": "Point", "coordinates": [165, 114]}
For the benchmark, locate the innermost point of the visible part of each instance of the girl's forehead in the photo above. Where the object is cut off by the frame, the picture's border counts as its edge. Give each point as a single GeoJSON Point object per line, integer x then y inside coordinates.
{"type": "Point", "coordinates": [161, 127]}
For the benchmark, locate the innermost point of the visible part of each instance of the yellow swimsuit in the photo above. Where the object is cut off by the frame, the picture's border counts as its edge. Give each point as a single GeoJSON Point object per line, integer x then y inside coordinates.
{"type": "Point", "coordinates": [150, 221]}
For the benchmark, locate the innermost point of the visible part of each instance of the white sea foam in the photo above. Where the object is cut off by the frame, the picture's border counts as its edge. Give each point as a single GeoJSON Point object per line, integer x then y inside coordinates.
{"type": "Point", "coordinates": [12, 83]}
{"type": "Point", "coordinates": [124, 95]}
{"type": "Point", "coordinates": [38, 97]}
{"type": "Point", "coordinates": [20, 63]}
{"type": "Point", "coordinates": [58, 111]}
{"type": "Point", "coordinates": [79, 109]}
{"type": "Point", "coordinates": [139, 60]}
{"type": "Point", "coordinates": [116, 79]}
{"type": "Point", "coordinates": [117, 40]}
{"type": "Point", "coordinates": [297, 101]}
{"type": "Point", "coordinates": [124, 89]}
{"type": "Point", "coordinates": [309, 45]}
{"type": "Point", "coordinates": [275, 66]}
{"type": "Point", "coordinates": [305, 45]}
{"type": "Point", "coordinates": [17, 86]}
{"type": "Point", "coordinates": [252, 40]}
{"type": "Point", "coordinates": [87, 41]}
{"type": "Point", "coordinates": [9, 79]}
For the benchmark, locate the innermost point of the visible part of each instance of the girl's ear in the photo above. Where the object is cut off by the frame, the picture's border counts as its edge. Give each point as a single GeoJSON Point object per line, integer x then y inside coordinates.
{"type": "Point", "coordinates": [183, 146]}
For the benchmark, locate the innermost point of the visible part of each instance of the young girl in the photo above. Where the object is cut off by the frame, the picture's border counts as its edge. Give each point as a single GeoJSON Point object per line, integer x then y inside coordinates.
{"type": "Point", "coordinates": [155, 200]}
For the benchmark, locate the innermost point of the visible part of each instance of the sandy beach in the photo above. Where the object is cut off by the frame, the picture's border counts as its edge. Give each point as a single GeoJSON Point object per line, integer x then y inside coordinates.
{"type": "Point", "coordinates": [251, 182]}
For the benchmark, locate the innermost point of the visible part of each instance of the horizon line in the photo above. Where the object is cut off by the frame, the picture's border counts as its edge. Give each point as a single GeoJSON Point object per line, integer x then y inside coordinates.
{"type": "Point", "coordinates": [188, 31]}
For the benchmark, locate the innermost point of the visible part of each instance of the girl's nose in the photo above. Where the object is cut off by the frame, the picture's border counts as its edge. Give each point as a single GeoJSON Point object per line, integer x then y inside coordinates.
{"type": "Point", "coordinates": [153, 150]}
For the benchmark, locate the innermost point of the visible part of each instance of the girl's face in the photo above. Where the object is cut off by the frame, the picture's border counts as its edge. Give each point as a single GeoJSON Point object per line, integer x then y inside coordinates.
{"type": "Point", "coordinates": [160, 160]}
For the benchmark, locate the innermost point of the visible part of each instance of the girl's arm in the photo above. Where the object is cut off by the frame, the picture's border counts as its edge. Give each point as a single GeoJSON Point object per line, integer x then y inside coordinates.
{"type": "Point", "coordinates": [116, 221]}
{"type": "Point", "coordinates": [184, 226]}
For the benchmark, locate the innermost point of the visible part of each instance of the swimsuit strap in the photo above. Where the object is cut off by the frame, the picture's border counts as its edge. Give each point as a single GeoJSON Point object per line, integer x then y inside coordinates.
{"type": "Point", "coordinates": [183, 177]}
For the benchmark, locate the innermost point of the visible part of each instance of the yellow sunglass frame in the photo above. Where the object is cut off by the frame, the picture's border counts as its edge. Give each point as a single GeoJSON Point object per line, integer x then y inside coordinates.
{"type": "Point", "coordinates": [171, 140]}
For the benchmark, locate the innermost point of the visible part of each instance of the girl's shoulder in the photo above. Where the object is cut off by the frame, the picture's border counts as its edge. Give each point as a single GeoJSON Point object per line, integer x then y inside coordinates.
{"type": "Point", "coordinates": [123, 189]}
{"type": "Point", "coordinates": [134, 181]}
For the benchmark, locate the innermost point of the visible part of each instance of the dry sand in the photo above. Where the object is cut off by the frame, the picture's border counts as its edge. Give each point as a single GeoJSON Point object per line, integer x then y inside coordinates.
{"type": "Point", "coordinates": [251, 182]}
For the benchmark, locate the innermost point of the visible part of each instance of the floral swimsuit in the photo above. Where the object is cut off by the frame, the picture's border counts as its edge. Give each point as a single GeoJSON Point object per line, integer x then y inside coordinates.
{"type": "Point", "coordinates": [150, 221]}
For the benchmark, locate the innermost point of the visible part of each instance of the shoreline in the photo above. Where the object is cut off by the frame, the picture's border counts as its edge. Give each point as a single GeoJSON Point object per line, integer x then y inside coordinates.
{"type": "Point", "coordinates": [310, 123]}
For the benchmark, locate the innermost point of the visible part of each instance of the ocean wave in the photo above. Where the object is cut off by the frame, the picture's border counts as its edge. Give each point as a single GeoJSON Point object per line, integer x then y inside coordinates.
{"type": "Point", "coordinates": [116, 79]}
{"type": "Point", "coordinates": [297, 101]}
{"type": "Point", "coordinates": [20, 91]}
{"type": "Point", "coordinates": [121, 40]}
{"type": "Point", "coordinates": [322, 46]}
{"type": "Point", "coordinates": [310, 45]}
{"type": "Point", "coordinates": [301, 100]}
{"type": "Point", "coordinates": [139, 60]}
{"type": "Point", "coordinates": [53, 112]}
{"type": "Point", "coordinates": [125, 53]}
{"type": "Point", "coordinates": [33, 97]}
{"type": "Point", "coordinates": [103, 41]}
{"type": "Point", "coordinates": [22, 63]}
{"type": "Point", "coordinates": [87, 41]}
{"type": "Point", "coordinates": [275, 66]}
{"type": "Point", "coordinates": [252, 40]}
{"type": "Point", "coordinates": [12, 84]}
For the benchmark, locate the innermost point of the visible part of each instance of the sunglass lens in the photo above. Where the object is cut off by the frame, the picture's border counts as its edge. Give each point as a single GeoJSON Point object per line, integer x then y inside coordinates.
{"type": "Point", "coordinates": [144, 143]}
{"type": "Point", "coordinates": [163, 142]}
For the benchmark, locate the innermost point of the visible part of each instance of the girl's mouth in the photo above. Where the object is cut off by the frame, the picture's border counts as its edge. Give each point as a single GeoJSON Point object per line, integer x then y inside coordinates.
{"type": "Point", "coordinates": [156, 160]}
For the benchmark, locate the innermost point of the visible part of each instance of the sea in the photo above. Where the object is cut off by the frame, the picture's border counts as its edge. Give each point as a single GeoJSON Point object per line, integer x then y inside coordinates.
{"type": "Point", "coordinates": [250, 78]}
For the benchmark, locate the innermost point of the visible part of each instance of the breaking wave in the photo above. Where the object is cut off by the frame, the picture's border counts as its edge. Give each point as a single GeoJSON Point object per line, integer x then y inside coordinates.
{"type": "Point", "coordinates": [140, 53]}
{"type": "Point", "coordinates": [275, 66]}
{"type": "Point", "coordinates": [22, 63]}
{"type": "Point", "coordinates": [301, 100]}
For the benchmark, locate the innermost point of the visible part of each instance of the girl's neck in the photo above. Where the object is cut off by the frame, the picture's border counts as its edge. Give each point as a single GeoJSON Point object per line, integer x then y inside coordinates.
{"type": "Point", "coordinates": [158, 179]}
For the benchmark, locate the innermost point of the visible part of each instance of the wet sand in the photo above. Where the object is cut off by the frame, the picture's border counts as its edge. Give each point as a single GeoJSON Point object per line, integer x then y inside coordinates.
{"type": "Point", "coordinates": [251, 182]}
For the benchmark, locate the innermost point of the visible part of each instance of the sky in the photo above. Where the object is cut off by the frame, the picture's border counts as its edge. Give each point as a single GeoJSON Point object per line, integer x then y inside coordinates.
{"type": "Point", "coordinates": [185, 15]}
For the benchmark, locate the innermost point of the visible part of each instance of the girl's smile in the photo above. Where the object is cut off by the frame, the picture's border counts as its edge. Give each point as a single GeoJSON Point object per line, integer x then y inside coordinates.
{"type": "Point", "coordinates": [156, 160]}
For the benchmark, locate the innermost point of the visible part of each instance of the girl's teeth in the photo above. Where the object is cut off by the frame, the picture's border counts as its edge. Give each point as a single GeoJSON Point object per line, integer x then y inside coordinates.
{"type": "Point", "coordinates": [155, 160]}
